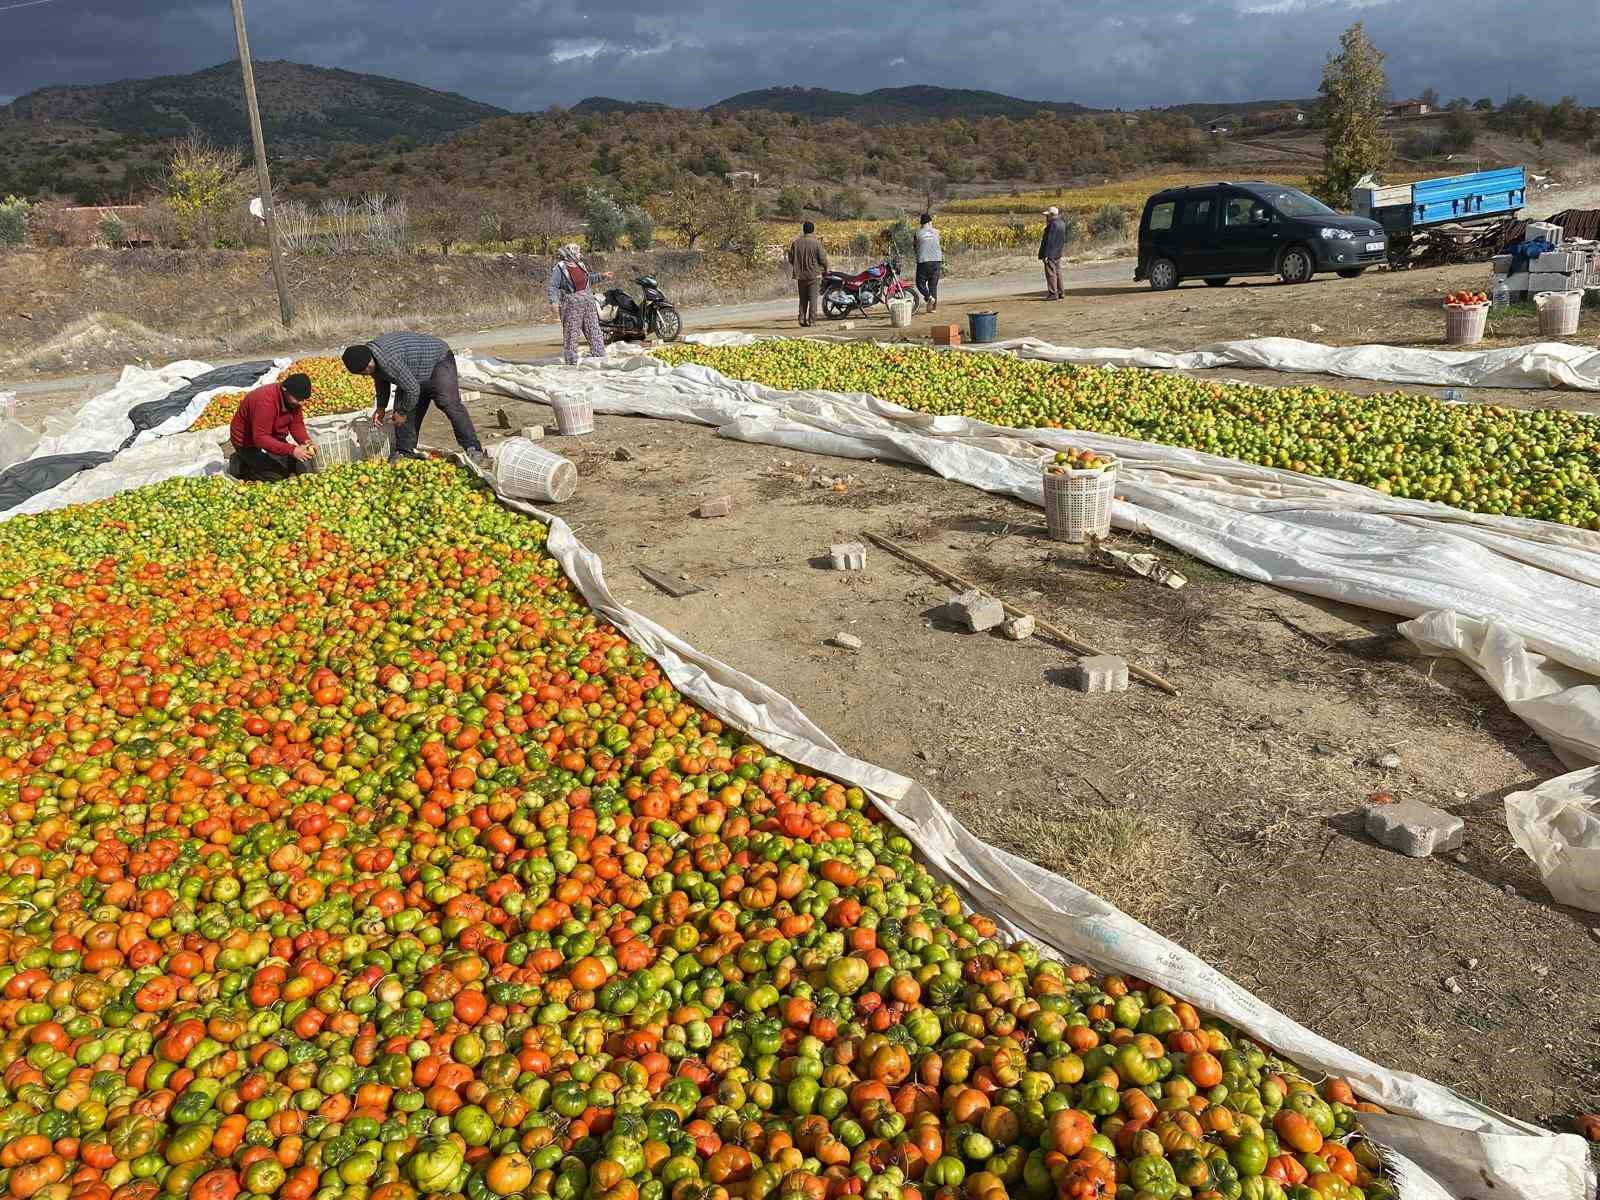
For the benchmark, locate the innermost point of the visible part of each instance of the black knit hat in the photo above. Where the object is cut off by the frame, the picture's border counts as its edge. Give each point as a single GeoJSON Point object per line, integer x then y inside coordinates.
{"type": "Point", "coordinates": [298, 387]}
{"type": "Point", "coordinates": [356, 359]}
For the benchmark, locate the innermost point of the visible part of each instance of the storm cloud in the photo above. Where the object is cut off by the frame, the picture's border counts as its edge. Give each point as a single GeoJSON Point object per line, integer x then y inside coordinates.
{"type": "Point", "coordinates": [529, 54]}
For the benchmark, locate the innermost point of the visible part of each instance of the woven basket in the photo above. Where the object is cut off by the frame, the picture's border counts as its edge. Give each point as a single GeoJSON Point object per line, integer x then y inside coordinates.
{"type": "Point", "coordinates": [1558, 313]}
{"type": "Point", "coordinates": [1077, 504]}
{"type": "Point", "coordinates": [524, 471]}
{"type": "Point", "coordinates": [1464, 323]}
{"type": "Point", "coordinates": [573, 416]}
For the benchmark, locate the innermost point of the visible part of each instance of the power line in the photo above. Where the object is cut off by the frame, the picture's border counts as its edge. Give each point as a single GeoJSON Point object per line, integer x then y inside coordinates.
{"type": "Point", "coordinates": [24, 4]}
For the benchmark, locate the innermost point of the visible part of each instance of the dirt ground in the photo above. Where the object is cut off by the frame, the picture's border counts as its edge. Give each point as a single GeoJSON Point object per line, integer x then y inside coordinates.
{"type": "Point", "coordinates": [1228, 818]}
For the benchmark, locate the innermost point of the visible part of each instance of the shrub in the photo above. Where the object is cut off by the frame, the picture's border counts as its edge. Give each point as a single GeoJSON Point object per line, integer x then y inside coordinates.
{"type": "Point", "coordinates": [791, 202]}
{"type": "Point", "coordinates": [1109, 223]}
{"type": "Point", "coordinates": [604, 218]}
{"type": "Point", "coordinates": [899, 237]}
{"type": "Point", "coordinates": [860, 245]}
{"type": "Point", "coordinates": [14, 212]}
{"type": "Point", "coordinates": [112, 231]}
{"type": "Point", "coordinates": [203, 182]}
{"type": "Point", "coordinates": [640, 228]}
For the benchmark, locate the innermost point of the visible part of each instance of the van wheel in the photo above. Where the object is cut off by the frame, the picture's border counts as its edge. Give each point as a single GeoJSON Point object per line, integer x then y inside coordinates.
{"type": "Point", "coordinates": [1163, 275]}
{"type": "Point", "coordinates": [1351, 273]}
{"type": "Point", "coordinates": [1296, 265]}
{"type": "Point", "coordinates": [1218, 280]}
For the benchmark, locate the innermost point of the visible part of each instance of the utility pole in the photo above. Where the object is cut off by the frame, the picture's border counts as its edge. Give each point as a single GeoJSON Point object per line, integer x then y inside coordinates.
{"type": "Point", "coordinates": [263, 179]}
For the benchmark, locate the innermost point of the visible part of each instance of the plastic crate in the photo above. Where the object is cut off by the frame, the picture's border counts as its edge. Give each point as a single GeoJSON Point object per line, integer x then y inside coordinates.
{"type": "Point", "coordinates": [336, 447]}
{"type": "Point", "coordinates": [1077, 504]}
{"type": "Point", "coordinates": [372, 441]}
{"type": "Point", "coordinates": [1558, 313]}
{"type": "Point", "coordinates": [524, 471]}
{"type": "Point", "coordinates": [1464, 323]}
{"type": "Point", "coordinates": [573, 416]}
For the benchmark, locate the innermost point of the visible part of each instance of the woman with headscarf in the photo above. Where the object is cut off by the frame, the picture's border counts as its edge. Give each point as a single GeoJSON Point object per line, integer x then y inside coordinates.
{"type": "Point", "coordinates": [569, 294]}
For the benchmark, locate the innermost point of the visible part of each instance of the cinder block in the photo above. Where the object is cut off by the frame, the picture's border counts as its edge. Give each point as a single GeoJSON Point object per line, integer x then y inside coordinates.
{"type": "Point", "coordinates": [533, 433]}
{"type": "Point", "coordinates": [848, 556]}
{"type": "Point", "coordinates": [1551, 281]}
{"type": "Point", "coordinates": [1099, 673]}
{"type": "Point", "coordinates": [1414, 828]}
{"type": "Point", "coordinates": [1564, 261]}
{"type": "Point", "coordinates": [977, 611]}
{"type": "Point", "coordinates": [1502, 264]}
{"type": "Point", "coordinates": [1543, 231]}
{"type": "Point", "coordinates": [947, 335]}
{"type": "Point", "coordinates": [720, 506]}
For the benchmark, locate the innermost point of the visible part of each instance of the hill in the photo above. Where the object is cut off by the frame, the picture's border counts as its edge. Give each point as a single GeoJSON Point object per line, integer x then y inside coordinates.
{"type": "Point", "coordinates": [606, 106]}
{"type": "Point", "coordinates": [304, 109]}
{"type": "Point", "coordinates": [885, 106]}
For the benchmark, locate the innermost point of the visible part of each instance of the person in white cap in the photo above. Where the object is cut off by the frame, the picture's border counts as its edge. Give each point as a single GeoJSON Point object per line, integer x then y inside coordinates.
{"type": "Point", "coordinates": [1051, 248]}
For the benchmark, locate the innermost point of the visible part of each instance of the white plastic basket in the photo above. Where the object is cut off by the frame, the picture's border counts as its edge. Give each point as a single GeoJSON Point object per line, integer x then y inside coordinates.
{"type": "Point", "coordinates": [1077, 504]}
{"type": "Point", "coordinates": [573, 416]}
{"type": "Point", "coordinates": [336, 447]}
{"type": "Point", "coordinates": [900, 313]}
{"type": "Point", "coordinates": [524, 471]}
{"type": "Point", "coordinates": [1464, 324]}
{"type": "Point", "coordinates": [1558, 313]}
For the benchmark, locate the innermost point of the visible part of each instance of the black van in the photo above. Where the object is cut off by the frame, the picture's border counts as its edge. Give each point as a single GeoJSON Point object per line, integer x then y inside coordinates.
{"type": "Point", "coordinates": [1219, 230]}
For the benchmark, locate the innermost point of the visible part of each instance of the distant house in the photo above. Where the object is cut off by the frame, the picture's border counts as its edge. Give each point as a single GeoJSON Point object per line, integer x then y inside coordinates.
{"type": "Point", "coordinates": [742, 178]}
{"type": "Point", "coordinates": [1220, 128]}
{"type": "Point", "coordinates": [81, 226]}
{"type": "Point", "coordinates": [1410, 108]}
{"type": "Point", "coordinates": [1275, 118]}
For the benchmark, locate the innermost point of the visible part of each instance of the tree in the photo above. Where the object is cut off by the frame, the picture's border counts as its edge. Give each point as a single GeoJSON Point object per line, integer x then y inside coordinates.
{"type": "Point", "coordinates": [640, 228]}
{"type": "Point", "coordinates": [1483, 104]}
{"type": "Point", "coordinates": [734, 224]}
{"type": "Point", "coordinates": [1459, 105]}
{"type": "Point", "coordinates": [447, 216]}
{"type": "Point", "coordinates": [604, 220]}
{"type": "Point", "coordinates": [203, 182]}
{"type": "Point", "coordinates": [546, 226]}
{"type": "Point", "coordinates": [112, 231]}
{"type": "Point", "coordinates": [935, 187]}
{"type": "Point", "coordinates": [689, 209]}
{"type": "Point", "coordinates": [791, 202]}
{"type": "Point", "coordinates": [13, 221]}
{"type": "Point", "coordinates": [1352, 97]}
{"type": "Point", "coordinates": [1109, 223]}
{"type": "Point", "coordinates": [1430, 97]}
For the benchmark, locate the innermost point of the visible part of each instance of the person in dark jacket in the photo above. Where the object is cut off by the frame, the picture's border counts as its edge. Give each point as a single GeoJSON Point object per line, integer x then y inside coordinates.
{"type": "Point", "coordinates": [809, 263]}
{"type": "Point", "coordinates": [1051, 247]}
{"type": "Point", "coordinates": [421, 371]}
{"type": "Point", "coordinates": [266, 420]}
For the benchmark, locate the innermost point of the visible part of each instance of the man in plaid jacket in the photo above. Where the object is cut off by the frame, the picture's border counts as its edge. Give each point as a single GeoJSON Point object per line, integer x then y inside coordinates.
{"type": "Point", "coordinates": [421, 371]}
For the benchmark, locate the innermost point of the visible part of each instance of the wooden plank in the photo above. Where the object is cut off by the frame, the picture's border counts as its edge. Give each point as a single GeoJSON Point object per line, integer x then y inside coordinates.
{"type": "Point", "coordinates": [676, 588]}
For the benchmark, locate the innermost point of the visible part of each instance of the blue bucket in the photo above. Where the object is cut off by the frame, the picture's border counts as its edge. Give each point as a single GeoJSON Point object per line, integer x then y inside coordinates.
{"type": "Point", "coordinates": [983, 326]}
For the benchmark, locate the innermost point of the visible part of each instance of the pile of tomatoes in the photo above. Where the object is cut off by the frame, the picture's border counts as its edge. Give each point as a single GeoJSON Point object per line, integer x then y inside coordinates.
{"type": "Point", "coordinates": [333, 390]}
{"type": "Point", "coordinates": [346, 854]}
{"type": "Point", "coordinates": [1466, 299]}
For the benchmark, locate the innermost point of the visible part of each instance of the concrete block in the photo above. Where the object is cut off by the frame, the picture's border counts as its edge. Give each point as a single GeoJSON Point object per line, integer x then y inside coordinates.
{"type": "Point", "coordinates": [1551, 281]}
{"type": "Point", "coordinates": [534, 433]}
{"type": "Point", "coordinates": [848, 556]}
{"type": "Point", "coordinates": [1018, 629]}
{"type": "Point", "coordinates": [1099, 673]}
{"type": "Point", "coordinates": [1543, 231]}
{"type": "Point", "coordinates": [1564, 261]}
{"type": "Point", "coordinates": [1414, 828]}
{"type": "Point", "coordinates": [976, 611]}
{"type": "Point", "coordinates": [1501, 265]}
{"type": "Point", "coordinates": [720, 506]}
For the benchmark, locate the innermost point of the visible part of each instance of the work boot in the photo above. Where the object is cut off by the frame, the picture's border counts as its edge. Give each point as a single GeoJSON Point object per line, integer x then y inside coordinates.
{"type": "Point", "coordinates": [479, 459]}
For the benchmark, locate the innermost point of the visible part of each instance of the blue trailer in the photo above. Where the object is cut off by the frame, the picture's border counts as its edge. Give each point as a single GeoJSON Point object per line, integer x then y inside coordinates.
{"type": "Point", "coordinates": [1449, 206]}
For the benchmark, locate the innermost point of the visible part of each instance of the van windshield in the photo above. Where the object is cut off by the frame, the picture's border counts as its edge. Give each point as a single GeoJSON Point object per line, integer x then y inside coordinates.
{"type": "Point", "coordinates": [1291, 202]}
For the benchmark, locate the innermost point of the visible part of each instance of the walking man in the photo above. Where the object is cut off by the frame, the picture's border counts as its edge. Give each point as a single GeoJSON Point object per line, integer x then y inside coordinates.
{"type": "Point", "coordinates": [930, 261]}
{"type": "Point", "coordinates": [1051, 248]}
{"type": "Point", "coordinates": [263, 424]}
{"type": "Point", "coordinates": [809, 263]}
{"type": "Point", "coordinates": [421, 370]}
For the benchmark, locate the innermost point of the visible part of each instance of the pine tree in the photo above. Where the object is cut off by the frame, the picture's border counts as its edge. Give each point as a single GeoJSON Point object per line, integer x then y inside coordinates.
{"type": "Point", "coordinates": [1352, 100]}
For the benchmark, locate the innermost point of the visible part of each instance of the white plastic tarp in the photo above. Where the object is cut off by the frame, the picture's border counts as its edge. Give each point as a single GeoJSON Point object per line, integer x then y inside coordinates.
{"type": "Point", "coordinates": [1538, 365]}
{"type": "Point", "coordinates": [1441, 1145]}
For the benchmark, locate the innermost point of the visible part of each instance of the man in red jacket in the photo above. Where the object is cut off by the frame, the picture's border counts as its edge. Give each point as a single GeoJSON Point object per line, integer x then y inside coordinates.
{"type": "Point", "coordinates": [266, 418]}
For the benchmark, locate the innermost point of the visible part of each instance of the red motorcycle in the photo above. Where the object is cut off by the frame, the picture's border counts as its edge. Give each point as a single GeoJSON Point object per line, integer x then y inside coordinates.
{"type": "Point", "coordinates": [844, 294]}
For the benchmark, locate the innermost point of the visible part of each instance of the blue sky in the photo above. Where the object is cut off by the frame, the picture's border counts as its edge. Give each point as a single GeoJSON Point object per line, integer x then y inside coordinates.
{"type": "Point", "coordinates": [528, 54]}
